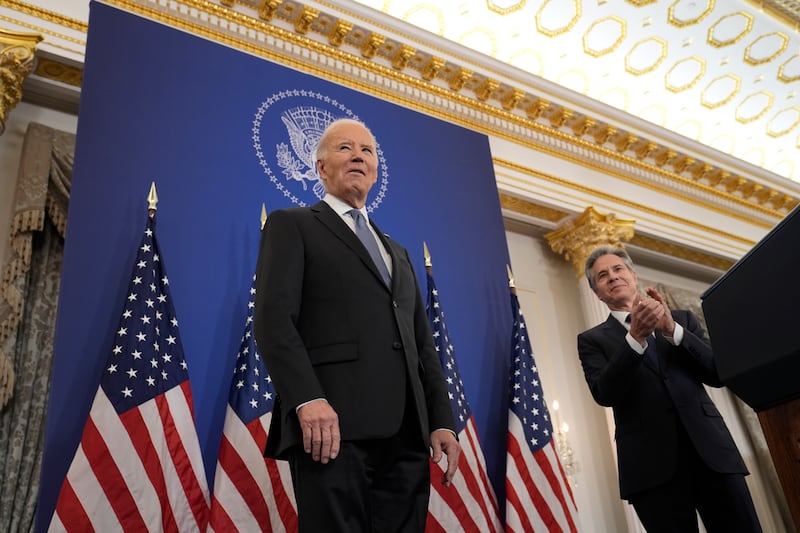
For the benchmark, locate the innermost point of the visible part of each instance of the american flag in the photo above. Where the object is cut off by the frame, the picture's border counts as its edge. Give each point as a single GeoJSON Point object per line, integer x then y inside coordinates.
{"type": "Point", "coordinates": [469, 504]}
{"type": "Point", "coordinates": [138, 466]}
{"type": "Point", "coordinates": [538, 496]}
{"type": "Point", "coordinates": [251, 492]}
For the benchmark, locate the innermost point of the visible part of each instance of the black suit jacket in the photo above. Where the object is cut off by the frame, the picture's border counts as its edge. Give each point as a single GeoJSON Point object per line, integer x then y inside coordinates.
{"type": "Point", "coordinates": [329, 327]}
{"type": "Point", "coordinates": [649, 403]}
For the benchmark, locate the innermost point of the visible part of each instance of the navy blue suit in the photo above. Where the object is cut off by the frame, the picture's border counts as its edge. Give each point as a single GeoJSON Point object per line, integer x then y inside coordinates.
{"type": "Point", "coordinates": [666, 424]}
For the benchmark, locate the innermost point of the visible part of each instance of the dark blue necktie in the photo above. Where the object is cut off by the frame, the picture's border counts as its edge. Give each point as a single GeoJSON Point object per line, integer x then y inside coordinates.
{"type": "Point", "coordinates": [650, 351]}
{"type": "Point", "coordinates": [366, 237]}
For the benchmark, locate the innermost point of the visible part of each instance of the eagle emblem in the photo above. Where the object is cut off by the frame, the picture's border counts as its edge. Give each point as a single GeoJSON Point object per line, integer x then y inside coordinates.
{"type": "Point", "coordinates": [304, 125]}
{"type": "Point", "coordinates": [290, 160]}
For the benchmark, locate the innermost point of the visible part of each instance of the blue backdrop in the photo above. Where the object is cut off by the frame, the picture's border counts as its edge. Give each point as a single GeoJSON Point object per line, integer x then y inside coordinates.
{"type": "Point", "coordinates": [211, 126]}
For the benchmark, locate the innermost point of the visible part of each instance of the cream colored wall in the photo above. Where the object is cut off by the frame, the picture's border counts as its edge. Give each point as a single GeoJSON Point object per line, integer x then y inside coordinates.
{"type": "Point", "coordinates": [10, 150]}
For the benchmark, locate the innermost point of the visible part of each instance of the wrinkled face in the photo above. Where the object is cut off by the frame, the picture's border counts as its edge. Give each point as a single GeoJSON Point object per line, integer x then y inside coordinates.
{"type": "Point", "coordinates": [614, 283]}
{"type": "Point", "coordinates": [349, 164]}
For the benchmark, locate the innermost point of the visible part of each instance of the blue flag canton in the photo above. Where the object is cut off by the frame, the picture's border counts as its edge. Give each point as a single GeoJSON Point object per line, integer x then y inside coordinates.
{"type": "Point", "coordinates": [526, 394]}
{"type": "Point", "coordinates": [147, 358]}
{"type": "Point", "coordinates": [455, 387]}
{"type": "Point", "coordinates": [252, 394]}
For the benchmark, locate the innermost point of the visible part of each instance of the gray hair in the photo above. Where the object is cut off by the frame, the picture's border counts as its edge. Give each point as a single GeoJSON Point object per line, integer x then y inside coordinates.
{"type": "Point", "coordinates": [597, 253]}
{"type": "Point", "coordinates": [322, 145]}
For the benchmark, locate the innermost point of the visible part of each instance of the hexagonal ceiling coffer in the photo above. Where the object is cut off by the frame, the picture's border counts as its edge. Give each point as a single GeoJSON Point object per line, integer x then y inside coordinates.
{"type": "Point", "coordinates": [684, 74]}
{"type": "Point", "coordinates": [729, 29]}
{"type": "Point", "coordinates": [555, 17]}
{"type": "Point", "coordinates": [754, 107]}
{"type": "Point", "coordinates": [720, 91]}
{"type": "Point", "coordinates": [766, 48]}
{"type": "Point", "coordinates": [684, 13]}
{"type": "Point", "coordinates": [645, 56]}
{"type": "Point", "coordinates": [604, 36]}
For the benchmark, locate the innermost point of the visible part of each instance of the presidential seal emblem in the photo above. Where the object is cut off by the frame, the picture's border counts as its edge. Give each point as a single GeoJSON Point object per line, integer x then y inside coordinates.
{"type": "Point", "coordinates": [286, 131]}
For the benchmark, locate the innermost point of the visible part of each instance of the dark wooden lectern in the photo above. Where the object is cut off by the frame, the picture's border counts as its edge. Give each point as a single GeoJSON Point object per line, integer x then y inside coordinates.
{"type": "Point", "coordinates": [753, 318]}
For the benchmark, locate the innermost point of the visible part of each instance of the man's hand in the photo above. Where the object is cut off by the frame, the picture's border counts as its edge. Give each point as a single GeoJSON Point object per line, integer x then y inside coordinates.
{"type": "Point", "coordinates": [646, 315]}
{"type": "Point", "coordinates": [443, 441]}
{"type": "Point", "coordinates": [666, 325]}
{"type": "Point", "coordinates": [320, 425]}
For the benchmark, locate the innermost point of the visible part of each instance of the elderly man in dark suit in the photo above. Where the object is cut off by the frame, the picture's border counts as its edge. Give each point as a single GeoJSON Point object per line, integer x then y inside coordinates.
{"type": "Point", "coordinates": [342, 327]}
{"type": "Point", "coordinates": [675, 454]}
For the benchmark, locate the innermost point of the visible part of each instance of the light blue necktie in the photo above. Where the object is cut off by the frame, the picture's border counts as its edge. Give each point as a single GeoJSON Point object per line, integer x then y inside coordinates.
{"type": "Point", "coordinates": [363, 233]}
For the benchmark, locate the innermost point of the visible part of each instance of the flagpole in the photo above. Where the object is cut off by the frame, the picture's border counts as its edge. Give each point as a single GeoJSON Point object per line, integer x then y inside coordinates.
{"type": "Point", "coordinates": [469, 504]}
{"type": "Point", "coordinates": [251, 492]}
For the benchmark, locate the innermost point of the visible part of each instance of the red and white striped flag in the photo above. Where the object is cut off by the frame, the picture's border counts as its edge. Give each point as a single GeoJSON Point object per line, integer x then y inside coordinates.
{"type": "Point", "coordinates": [251, 492]}
{"type": "Point", "coordinates": [138, 466]}
{"type": "Point", "coordinates": [538, 495]}
{"type": "Point", "coordinates": [469, 503]}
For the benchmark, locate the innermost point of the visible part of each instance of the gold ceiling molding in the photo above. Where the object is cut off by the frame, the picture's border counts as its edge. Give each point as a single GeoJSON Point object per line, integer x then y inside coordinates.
{"type": "Point", "coordinates": [531, 209]}
{"type": "Point", "coordinates": [45, 14]}
{"type": "Point", "coordinates": [786, 10]}
{"type": "Point", "coordinates": [47, 31]}
{"type": "Point", "coordinates": [611, 198]}
{"type": "Point", "coordinates": [681, 252]}
{"type": "Point", "coordinates": [58, 71]}
{"type": "Point", "coordinates": [51, 17]}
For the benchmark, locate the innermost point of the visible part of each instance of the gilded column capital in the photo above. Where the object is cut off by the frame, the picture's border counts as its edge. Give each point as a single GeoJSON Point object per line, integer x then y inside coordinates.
{"type": "Point", "coordinates": [576, 236]}
{"type": "Point", "coordinates": [17, 56]}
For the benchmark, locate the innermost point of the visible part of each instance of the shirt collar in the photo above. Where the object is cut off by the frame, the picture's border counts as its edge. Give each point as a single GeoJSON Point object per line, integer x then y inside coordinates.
{"type": "Point", "coordinates": [621, 316]}
{"type": "Point", "coordinates": [341, 208]}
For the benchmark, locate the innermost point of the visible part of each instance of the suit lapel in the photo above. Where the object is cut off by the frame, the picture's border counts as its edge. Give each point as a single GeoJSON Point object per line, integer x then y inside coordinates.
{"type": "Point", "coordinates": [612, 326]}
{"type": "Point", "coordinates": [338, 227]}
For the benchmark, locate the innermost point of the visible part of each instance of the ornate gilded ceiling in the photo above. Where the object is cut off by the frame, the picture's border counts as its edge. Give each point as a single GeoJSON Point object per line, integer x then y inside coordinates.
{"type": "Point", "coordinates": [725, 73]}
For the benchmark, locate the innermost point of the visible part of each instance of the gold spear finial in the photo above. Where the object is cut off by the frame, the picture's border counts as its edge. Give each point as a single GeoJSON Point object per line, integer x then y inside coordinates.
{"type": "Point", "coordinates": [152, 199]}
{"type": "Point", "coordinates": [510, 278]}
{"type": "Point", "coordinates": [427, 254]}
{"type": "Point", "coordinates": [263, 214]}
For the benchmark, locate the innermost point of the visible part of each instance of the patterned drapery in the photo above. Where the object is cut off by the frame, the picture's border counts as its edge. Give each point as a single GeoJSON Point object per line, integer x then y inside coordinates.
{"type": "Point", "coordinates": [29, 290]}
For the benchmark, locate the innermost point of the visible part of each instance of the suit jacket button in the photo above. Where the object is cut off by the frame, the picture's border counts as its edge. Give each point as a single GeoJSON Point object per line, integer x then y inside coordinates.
{"type": "Point", "coordinates": [397, 345]}
{"type": "Point", "coordinates": [394, 303]}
